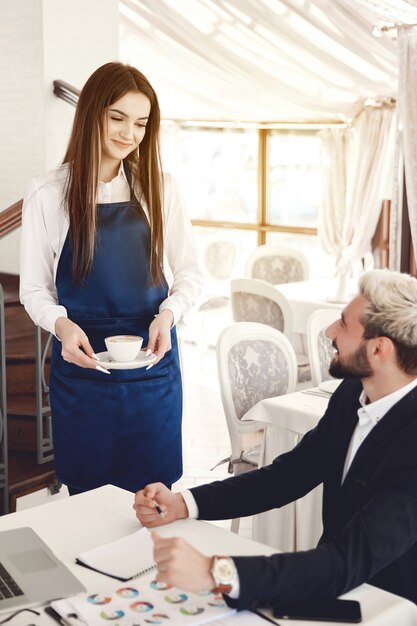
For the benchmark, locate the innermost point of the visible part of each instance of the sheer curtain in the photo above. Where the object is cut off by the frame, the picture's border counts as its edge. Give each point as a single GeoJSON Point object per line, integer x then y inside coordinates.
{"type": "Point", "coordinates": [407, 55]}
{"type": "Point", "coordinates": [357, 163]}
{"type": "Point", "coordinates": [241, 60]}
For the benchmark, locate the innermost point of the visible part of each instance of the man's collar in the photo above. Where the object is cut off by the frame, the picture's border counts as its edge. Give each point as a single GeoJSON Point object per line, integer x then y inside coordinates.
{"type": "Point", "coordinates": [376, 410]}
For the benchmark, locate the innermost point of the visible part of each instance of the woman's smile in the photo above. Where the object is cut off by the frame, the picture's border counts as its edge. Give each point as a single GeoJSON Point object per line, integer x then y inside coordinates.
{"type": "Point", "coordinates": [121, 144]}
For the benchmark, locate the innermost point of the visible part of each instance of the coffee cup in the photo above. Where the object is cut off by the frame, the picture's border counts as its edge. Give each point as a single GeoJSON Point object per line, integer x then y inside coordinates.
{"type": "Point", "coordinates": [123, 348]}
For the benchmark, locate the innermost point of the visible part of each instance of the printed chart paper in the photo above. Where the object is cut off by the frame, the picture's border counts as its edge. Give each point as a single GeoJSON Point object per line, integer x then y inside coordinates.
{"type": "Point", "coordinates": [144, 601]}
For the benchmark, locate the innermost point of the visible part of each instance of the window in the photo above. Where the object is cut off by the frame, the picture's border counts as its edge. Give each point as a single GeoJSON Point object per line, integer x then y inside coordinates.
{"type": "Point", "coordinates": [217, 171]}
{"type": "Point", "coordinates": [258, 185]}
{"type": "Point", "coordinates": [295, 188]}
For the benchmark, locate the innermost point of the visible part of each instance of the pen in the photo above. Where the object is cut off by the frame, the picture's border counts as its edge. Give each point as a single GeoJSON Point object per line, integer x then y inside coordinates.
{"type": "Point", "coordinates": [58, 618]}
{"type": "Point", "coordinates": [160, 512]}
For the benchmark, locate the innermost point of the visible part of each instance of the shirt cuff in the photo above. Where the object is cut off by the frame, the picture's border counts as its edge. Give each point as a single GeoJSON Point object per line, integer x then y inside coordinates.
{"type": "Point", "coordinates": [191, 504]}
{"type": "Point", "coordinates": [51, 318]}
{"type": "Point", "coordinates": [174, 308]}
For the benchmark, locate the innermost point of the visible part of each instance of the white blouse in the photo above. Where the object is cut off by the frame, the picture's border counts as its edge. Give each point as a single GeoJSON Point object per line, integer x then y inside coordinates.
{"type": "Point", "coordinates": [44, 230]}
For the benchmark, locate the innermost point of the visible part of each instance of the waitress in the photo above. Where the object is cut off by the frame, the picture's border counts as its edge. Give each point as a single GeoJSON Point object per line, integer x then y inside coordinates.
{"type": "Point", "coordinates": [97, 233]}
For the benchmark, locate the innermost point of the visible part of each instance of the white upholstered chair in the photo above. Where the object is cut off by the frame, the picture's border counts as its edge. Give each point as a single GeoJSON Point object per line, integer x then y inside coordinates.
{"type": "Point", "coordinates": [277, 265]}
{"type": "Point", "coordinates": [255, 300]}
{"type": "Point", "coordinates": [320, 351]}
{"type": "Point", "coordinates": [219, 263]}
{"type": "Point", "coordinates": [254, 361]}
{"type": "Point", "coordinates": [213, 314]}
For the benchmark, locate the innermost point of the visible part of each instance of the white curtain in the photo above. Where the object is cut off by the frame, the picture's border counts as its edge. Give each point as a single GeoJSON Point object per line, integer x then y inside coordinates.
{"type": "Point", "coordinates": [395, 223]}
{"type": "Point", "coordinates": [407, 92]}
{"type": "Point", "coordinates": [357, 163]}
{"type": "Point", "coordinates": [242, 60]}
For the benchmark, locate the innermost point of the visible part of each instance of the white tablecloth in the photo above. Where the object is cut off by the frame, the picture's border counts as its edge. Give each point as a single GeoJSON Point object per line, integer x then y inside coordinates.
{"type": "Point", "coordinates": [287, 418]}
{"type": "Point", "coordinates": [308, 296]}
{"type": "Point", "coordinates": [76, 524]}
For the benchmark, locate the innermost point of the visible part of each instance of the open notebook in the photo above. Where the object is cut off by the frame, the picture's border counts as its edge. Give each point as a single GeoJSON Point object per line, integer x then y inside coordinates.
{"type": "Point", "coordinates": [122, 559]}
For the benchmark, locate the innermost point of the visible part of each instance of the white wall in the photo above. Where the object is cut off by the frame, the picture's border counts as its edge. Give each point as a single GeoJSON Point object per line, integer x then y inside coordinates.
{"type": "Point", "coordinates": [40, 41]}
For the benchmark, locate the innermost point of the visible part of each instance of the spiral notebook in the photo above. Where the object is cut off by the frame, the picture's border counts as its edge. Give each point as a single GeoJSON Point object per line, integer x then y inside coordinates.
{"type": "Point", "coordinates": [122, 559]}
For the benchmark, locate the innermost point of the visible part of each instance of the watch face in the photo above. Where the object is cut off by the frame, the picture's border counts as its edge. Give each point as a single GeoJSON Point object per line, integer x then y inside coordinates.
{"type": "Point", "coordinates": [224, 570]}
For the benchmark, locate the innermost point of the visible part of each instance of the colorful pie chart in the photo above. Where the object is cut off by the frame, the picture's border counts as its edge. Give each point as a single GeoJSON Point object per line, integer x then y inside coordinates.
{"type": "Point", "coordinates": [217, 601]}
{"type": "Point", "coordinates": [159, 586]}
{"type": "Point", "coordinates": [117, 614]}
{"type": "Point", "coordinates": [191, 609]}
{"type": "Point", "coordinates": [157, 618]}
{"type": "Point", "coordinates": [141, 607]}
{"type": "Point", "coordinates": [98, 598]}
{"type": "Point", "coordinates": [127, 592]}
{"type": "Point", "coordinates": [176, 598]}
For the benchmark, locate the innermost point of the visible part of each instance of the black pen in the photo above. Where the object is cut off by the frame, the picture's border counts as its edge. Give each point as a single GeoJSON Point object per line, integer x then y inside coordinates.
{"type": "Point", "coordinates": [160, 512]}
{"type": "Point", "coordinates": [57, 617]}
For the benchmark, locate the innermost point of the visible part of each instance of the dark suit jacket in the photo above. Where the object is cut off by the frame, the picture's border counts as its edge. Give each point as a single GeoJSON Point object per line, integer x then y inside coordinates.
{"type": "Point", "coordinates": [370, 522]}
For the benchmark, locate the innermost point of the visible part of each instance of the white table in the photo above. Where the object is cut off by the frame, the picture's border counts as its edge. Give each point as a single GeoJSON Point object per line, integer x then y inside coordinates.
{"type": "Point", "coordinates": [308, 296]}
{"type": "Point", "coordinates": [82, 522]}
{"type": "Point", "coordinates": [286, 419]}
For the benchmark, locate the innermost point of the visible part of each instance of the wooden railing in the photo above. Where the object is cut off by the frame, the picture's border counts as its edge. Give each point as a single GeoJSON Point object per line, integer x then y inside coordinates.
{"type": "Point", "coordinates": [11, 218]}
{"type": "Point", "coordinates": [66, 92]}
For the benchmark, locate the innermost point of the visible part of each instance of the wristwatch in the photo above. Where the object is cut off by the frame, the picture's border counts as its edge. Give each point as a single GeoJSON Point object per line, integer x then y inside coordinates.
{"type": "Point", "coordinates": [224, 573]}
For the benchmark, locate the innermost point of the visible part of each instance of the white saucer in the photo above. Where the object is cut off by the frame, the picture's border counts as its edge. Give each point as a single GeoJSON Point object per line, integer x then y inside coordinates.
{"type": "Point", "coordinates": [141, 361]}
{"type": "Point", "coordinates": [329, 386]}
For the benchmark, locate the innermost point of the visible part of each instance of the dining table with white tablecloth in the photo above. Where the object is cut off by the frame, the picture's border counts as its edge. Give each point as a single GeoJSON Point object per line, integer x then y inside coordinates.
{"type": "Point", "coordinates": [296, 526]}
{"type": "Point", "coordinates": [308, 296]}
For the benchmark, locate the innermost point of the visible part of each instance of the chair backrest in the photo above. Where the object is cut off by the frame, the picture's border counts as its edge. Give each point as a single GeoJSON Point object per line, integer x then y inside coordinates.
{"type": "Point", "coordinates": [254, 362]}
{"type": "Point", "coordinates": [219, 258]}
{"type": "Point", "coordinates": [277, 265]}
{"type": "Point", "coordinates": [320, 351]}
{"type": "Point", "coordinates": [255, 300]}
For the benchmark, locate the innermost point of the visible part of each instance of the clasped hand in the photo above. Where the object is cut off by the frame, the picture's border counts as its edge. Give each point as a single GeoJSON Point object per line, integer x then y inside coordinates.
{"type": "Point", "coordinates": [178, 563]}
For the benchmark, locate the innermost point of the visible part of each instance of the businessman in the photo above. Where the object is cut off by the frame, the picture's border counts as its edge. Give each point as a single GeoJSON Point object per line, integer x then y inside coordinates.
{"type": "Point", "coordinates": [364, 451]}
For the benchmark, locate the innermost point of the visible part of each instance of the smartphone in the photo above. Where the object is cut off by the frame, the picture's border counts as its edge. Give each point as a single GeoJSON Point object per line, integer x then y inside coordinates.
{"type": "Point", "coordinates": [323, 610]}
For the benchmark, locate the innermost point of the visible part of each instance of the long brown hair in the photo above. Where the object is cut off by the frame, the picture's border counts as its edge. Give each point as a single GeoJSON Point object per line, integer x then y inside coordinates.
{"type": "Point", "coordinates": [106, 85]}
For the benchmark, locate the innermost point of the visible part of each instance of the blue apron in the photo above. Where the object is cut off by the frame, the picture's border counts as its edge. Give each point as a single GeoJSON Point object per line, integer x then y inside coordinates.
{"type": "Point", "coordinates": [123, 428]}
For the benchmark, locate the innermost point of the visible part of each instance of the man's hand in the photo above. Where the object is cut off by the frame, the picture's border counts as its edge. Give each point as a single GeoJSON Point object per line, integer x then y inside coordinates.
{"type": "Point", "coordinates": [160, 334]}
{"type": "Point", "coordinates": [171, 504]}
{"type": "Point", "coordinates": [181, 565]}
{"type": "Point", "coordinates": [75, 345]}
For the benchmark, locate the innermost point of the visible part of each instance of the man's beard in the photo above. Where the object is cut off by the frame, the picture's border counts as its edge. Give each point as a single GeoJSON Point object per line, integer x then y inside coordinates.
{"type": "Point", "coordinates": [356, 366]}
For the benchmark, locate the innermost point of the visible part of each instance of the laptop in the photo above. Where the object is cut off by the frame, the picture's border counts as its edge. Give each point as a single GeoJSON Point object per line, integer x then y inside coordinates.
{"type": "Point", "coordinates": [30, 573]}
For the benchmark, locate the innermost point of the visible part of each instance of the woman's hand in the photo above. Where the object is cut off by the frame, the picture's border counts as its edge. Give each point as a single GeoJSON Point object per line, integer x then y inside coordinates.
{"type": "Point", "coordinates": [75, 345]}
{"type": "Point", "coordinates": [160, 334]}
{"type": "Point", "coordinates": [171, 505]}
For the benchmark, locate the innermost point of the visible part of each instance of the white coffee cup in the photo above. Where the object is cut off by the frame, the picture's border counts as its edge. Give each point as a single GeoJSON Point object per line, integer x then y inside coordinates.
{"type": "Point", "coordinates": [123, 348]}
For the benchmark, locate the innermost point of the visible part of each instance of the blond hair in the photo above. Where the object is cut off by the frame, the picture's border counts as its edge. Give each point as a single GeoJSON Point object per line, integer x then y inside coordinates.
{"type": "Point", "coordinates": [392, 312]}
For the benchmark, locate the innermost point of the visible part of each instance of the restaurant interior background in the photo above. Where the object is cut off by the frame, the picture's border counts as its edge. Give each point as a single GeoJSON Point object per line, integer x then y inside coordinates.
{"type": "Point", "coordinates": [285, 122]}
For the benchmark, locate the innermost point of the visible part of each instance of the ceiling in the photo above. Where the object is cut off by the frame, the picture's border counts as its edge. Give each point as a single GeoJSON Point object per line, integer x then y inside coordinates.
{"type": "Point", "coordinates": [264, 60]}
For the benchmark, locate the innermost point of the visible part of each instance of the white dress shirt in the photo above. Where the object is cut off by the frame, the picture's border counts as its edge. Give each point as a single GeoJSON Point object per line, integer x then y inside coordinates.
{"type": "Point", "coordinates": [45, 227]}
{"type": "Point", "coordinates": [369, 415]}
